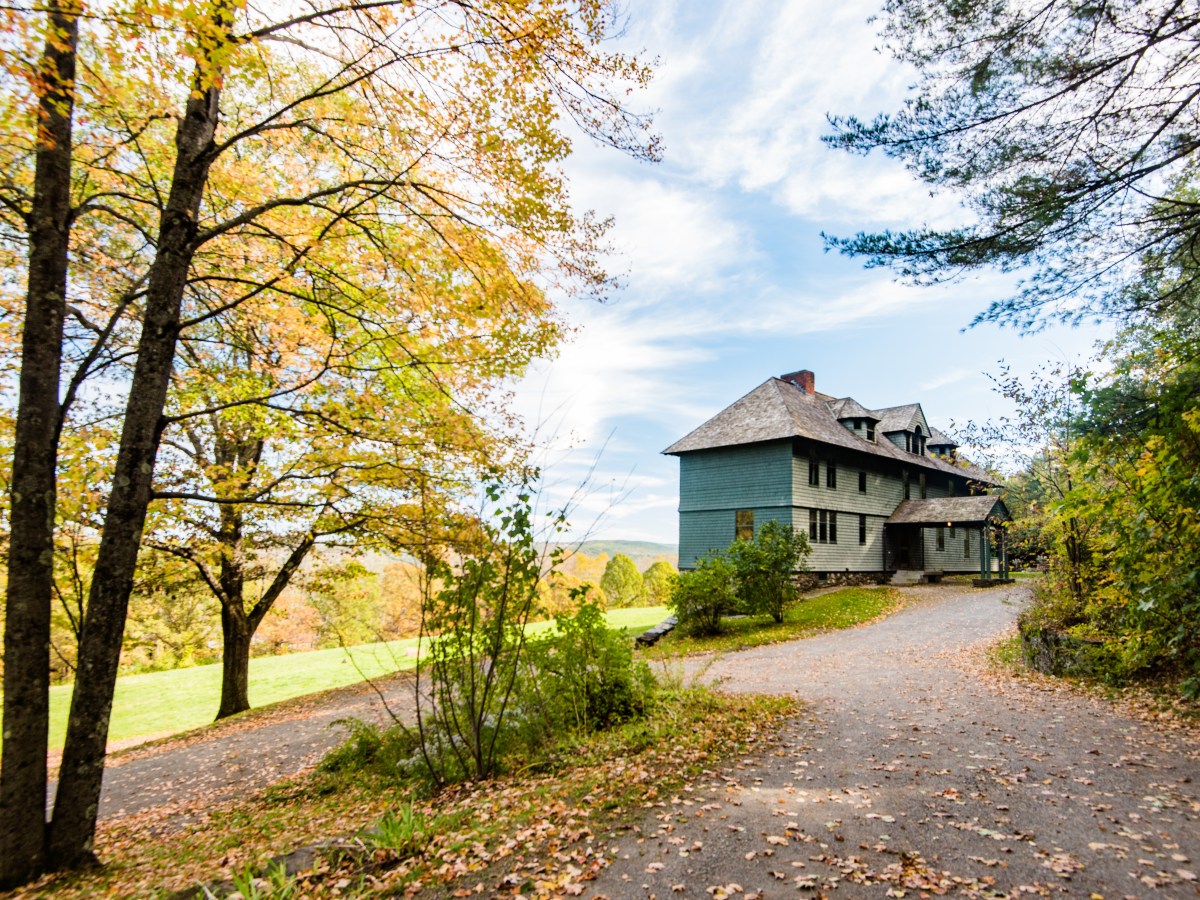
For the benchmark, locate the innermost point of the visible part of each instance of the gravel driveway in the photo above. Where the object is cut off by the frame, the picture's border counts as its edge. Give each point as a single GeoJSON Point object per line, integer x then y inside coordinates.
{"type": "Point", "coordinates": [243, 754]}
{"type": "Point", "coordinates": [916, 772]}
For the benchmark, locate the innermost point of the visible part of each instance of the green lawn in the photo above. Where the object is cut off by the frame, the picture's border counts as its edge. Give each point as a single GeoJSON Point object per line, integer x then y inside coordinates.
{"type": "Point", "coordinates": [827, 612]}
{"type": "Point", "coordinates": [159, 703]}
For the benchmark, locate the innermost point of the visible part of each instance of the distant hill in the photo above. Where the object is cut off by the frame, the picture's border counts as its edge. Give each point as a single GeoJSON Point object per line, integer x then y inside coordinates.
{"type": "Point", "coordinates": [643, 553]}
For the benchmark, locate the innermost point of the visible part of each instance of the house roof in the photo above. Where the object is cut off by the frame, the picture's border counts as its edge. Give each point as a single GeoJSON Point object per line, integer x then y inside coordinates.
{"type": "Point", "coordinates": [849, 408]}
{"type": "Point", "coordinates": [899, 418]}
{"type": "Point", "coordinates": [778, 409]}
{"type": "Point", "coordinates": [949, 511]}
{"type": "Point", "coordinates": [940, 439]}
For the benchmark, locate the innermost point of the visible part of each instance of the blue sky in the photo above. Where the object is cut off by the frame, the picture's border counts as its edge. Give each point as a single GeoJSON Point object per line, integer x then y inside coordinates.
{"type": "Point", "coordinates": [726, 280]}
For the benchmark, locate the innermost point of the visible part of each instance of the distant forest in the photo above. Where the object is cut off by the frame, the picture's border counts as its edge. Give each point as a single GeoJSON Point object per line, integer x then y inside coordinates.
{"type": "Point", "coordinates": [641, 552]}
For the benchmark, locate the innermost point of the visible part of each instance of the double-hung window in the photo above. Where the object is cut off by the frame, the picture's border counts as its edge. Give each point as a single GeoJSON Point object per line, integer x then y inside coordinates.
{"type": "Point", "coordinates": [822, 526]}
{"type": "Point", "coordinates": [743, 526]}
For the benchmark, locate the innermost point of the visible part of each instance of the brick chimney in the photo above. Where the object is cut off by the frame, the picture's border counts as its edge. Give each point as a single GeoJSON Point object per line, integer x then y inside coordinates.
{"type": "Point", "coordinates": [804, 379]}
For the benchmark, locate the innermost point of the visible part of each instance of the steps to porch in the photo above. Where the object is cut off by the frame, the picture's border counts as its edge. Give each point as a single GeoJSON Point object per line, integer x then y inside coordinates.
{"type": "Point", "coordinates": [915, 576]}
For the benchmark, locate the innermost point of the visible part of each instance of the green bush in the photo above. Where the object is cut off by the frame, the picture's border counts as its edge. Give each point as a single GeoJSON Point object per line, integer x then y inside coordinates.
{"type": "Point", "coordinates": [703, 594]}
{"type": "Point", "coordinates": [765, 565]}
{"type": "Point", "coordinates": [389, 753]}
{"type": "Point", "coordinates": [583, 676]}
{"type": "Point", "coordinates": [488, 693]}
{"type": "Point", "coordinates": [580, 678]}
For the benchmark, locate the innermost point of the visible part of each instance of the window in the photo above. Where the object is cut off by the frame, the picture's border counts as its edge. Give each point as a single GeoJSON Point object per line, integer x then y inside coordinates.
{"type": "Point", "coordinates": [966, 545]}
{"type": "Point", "coordinates": [862, 528]}
{"type": "Point", "coordinates": [941, 538]}
{"type": "Point", "coordinates": [950, 490]}
{"type": "Point", "coordinates": [908, 442]}
{"type": "Point", "coordinates": [907, 489]}
{"type": "Point", "coordinates": [951, 531]}
{"type": "Point", "coordinates": [831, 474]}
{"type": "Point", "coordinates": [822, 526]}
{"type": "Point", "coordinates": [814, 472]}
{"type": "Point", "coordinates": [870, 431]}
{"type": "Point", "coordinates": [862, 482]}
{"type": "Point", "coordinates": [743, 528]}
{"type": "Point", "coordinates": [858, 424]}
{"type": "Point", "coordinates": [922, 482]}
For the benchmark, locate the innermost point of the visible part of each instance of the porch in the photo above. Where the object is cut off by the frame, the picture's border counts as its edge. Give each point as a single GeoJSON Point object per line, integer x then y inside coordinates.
{"type": "Point", "coordinates": [905, 539]}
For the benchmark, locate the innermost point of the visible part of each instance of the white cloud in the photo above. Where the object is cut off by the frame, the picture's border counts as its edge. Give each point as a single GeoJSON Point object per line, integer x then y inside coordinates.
{"type": "Point", "coordinates": [642, 360]}
{"type": "Point", "coordinates": [670, 236]}
{"type": "Point", "coordinates": [744, 101]}
{"type": "Point", "coordinates": [954, 376]}
{"type": "Point", "coordinates": [613, 368]}
{"type": "Point", "coordinates": [828, 308]}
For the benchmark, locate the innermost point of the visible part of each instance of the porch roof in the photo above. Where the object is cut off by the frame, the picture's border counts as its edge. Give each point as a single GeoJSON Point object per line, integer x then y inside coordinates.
{"type": "Point", "coordinates": [950, 511]}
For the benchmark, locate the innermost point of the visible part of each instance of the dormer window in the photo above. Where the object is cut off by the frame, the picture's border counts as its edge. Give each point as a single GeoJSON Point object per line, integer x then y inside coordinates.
{"type": "Point", "coordinates": [855, 417]}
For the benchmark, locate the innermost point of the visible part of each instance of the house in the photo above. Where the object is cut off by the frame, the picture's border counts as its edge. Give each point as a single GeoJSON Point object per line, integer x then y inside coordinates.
{"type": "Point", "coordinates": [877, 491]}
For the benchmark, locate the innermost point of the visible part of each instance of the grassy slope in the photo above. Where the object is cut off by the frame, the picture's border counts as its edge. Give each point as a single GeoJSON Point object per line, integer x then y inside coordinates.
{"type": "Point", "coordinates": [839, 609]}
{"type": "Point", "coordinates": [160, 703]}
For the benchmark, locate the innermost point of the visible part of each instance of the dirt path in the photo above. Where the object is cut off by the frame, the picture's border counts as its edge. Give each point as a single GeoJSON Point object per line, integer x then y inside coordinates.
{"type": "Point", "coordinates": [916, 770]}
{"type": "Point", "coordinates": [245, 754]}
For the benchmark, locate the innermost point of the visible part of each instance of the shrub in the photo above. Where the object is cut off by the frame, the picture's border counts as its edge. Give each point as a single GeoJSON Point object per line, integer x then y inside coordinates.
{"type": "Point", "coordinates": [478, 612]}
{"type": "Point", "coordinates": [486, 693]}
{"type": "Point", "coordinates": [393, 754]}
{"type": "Point", "coordinates": [705, 593]}
{"type": "Point", "coordinates": [578, 679]}
{"type": "Point", "coordinates": [583, 676]}
{"type": "Point", "coordinates": [765, 565]}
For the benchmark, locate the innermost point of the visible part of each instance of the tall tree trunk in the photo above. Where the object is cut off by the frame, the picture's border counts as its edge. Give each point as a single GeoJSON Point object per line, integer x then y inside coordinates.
{"type": "Point", "coordinates": [236, 634]}
{"type": "Point", "coordinates": [72, 830]}
{"type": "Point", "coordinates": [236, 630]}
{"type": "Point", "coordinates": [238, 626]}
{"type": "Point", "coordinates": [35, 457]}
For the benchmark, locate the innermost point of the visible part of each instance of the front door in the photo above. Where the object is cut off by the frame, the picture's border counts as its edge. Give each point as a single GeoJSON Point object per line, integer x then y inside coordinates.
{"type": "Point", "coordinates": [905, 546]}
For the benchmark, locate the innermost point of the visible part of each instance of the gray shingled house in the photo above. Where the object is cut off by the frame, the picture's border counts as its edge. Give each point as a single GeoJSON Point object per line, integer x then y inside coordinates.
{"type": "Point", "coordinates": [876, 491]}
